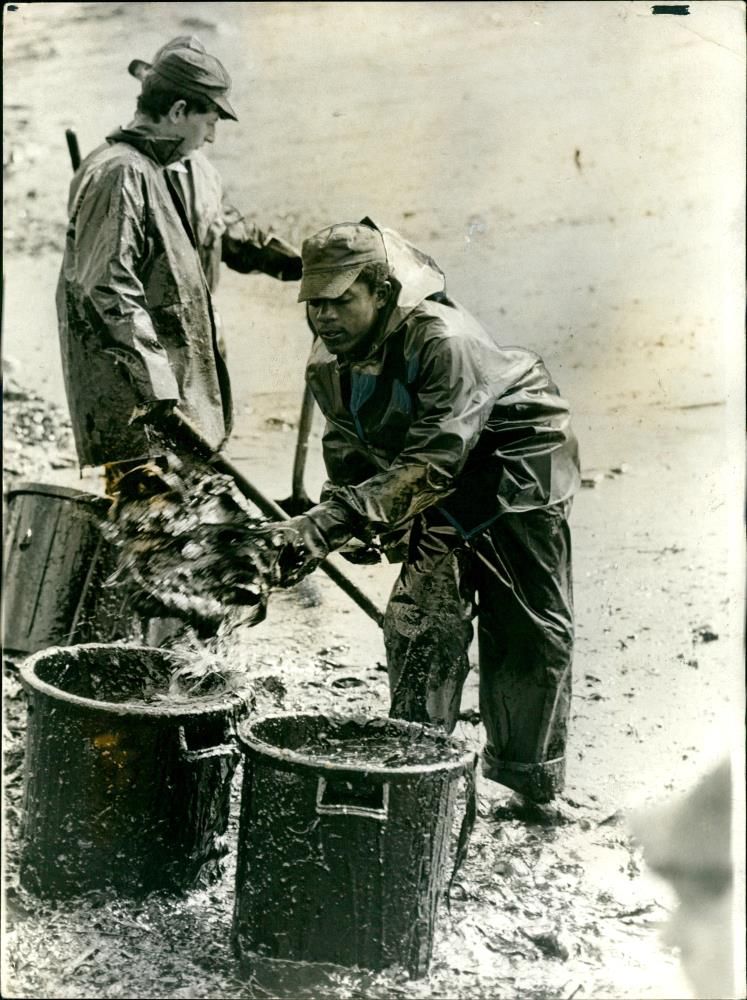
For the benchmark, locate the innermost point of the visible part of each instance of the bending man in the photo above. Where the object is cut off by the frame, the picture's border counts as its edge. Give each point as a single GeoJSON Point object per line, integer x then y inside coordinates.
{"type": "Point", "coordinates": [455, 455]}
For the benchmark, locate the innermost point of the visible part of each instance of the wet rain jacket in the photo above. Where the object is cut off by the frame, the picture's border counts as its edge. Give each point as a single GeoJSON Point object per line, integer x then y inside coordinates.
{"type": "Point", "coordinates": [136, 320]}
{"type": "Point", "coordinates": [221, 232]}
{"type": "Point", "coordinates": [223, 235]}
{"type": "Point", "coordinates": [440, 435]}
{"type": "Point", "coordinates": [438, 413]}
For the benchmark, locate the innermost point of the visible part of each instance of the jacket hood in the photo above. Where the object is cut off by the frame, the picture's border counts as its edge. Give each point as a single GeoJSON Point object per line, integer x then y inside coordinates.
{"type": "Point", "coordinates": [146, 140]}
{"type": "Point", "coordinates": [415, 276]}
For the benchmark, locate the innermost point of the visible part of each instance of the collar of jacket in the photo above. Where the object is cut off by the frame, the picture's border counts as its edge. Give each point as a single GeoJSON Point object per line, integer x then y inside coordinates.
{"type": "Point", "coordinates": [414, 277]}
{"type": "Point", "coordinates": [162, 149]}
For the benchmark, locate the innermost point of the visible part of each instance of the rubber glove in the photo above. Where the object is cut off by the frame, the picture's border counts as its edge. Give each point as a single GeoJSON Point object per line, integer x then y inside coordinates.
{"type": "Point", "coordinates": [301, 543]}
{"type": "Point", "coordinates": [298, 546]}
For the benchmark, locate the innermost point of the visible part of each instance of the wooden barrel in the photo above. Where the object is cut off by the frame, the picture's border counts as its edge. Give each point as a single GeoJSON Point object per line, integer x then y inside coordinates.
{"type": "Point", "coordinates": [55, 570]}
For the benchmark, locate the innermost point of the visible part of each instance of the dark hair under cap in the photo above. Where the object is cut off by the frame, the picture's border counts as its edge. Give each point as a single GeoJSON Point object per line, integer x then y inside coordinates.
{"type": "Point", "coordinates": [158, 97]}
{"type": "Point", "coordinates": [196, 74]}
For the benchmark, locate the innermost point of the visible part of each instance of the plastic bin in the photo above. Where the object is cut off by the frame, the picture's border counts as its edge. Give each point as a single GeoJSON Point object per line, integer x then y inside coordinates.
{"type": "Point", "coordinates": [343, 837]}
{"type": "Point", "coordinates": [126, 788]}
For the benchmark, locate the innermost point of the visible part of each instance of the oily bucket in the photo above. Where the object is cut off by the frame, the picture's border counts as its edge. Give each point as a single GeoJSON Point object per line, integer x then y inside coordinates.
{"type": "Point", "coordinates": [343, 840]}
{"type": "Point", "coordinates": [55, 565]}
{"type": "Point", "coordinates": [127, 788]}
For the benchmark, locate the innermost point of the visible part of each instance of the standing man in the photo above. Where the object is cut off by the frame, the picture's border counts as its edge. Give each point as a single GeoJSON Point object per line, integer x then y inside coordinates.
{"type": "Point", "coordinates": [138, 332]}
{"type": "Point", "coordinates": [222, 233]}
{"type": "Point", "coordinates": [455, 455]}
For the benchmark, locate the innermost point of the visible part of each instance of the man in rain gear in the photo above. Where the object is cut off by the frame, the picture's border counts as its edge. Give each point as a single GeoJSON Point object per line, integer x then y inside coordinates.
{"type": "Point", "coordinates": [457, 456]}
{"type": "Point", "coordinates": [138, 332]}
{"type": "Point", "coordinates": [222, 233]}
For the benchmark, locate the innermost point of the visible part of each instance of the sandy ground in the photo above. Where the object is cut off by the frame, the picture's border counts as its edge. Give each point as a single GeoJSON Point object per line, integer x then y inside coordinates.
{"type": "Point", "coordinates": [576, 169]}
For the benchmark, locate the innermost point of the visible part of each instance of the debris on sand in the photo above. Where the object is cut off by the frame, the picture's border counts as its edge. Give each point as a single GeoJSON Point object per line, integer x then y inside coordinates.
{"type": "Point", "coordinates": [704, 633]}
{"type": "Point", "coordinates": [591, 478]}
{"type": "Point", "coordinates": [548, 940]}
{"type": "Point", "coordinates": [34, 429]}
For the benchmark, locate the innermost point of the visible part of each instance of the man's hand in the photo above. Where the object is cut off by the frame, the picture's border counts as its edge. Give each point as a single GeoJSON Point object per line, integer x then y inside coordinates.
{"type": "Point", "coordinates": [297, 546]}
{"type": "Point", "coordinates": [361, 553]}
{"type": "Point", "coordinates": [152, 412]}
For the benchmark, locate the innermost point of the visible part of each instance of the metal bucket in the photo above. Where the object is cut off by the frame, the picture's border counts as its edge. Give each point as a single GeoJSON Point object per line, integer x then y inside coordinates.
{"type": "Point", "coordinates": [126, 788]}
{"type": "Point", "coordinates": [342, 845]}
{"type": "Point", "coordinates": [56, 562]}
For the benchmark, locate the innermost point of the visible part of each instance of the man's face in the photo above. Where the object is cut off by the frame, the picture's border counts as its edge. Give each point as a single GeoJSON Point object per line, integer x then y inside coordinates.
{"type": "Point", "coordinates": [346, 323]}
{"type": "Point", "coordinates": [195, 129]}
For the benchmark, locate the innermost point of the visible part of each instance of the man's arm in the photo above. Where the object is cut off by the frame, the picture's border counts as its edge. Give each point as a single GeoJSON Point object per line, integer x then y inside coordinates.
{"type": "Point", "coordinates": [345, 463]}
{"type": "Point", "coordinates": [247, 248]}
{"type": "Point", "coordinates": [109, 248]}
{"type": "Point", "coordinates": [453, 405]}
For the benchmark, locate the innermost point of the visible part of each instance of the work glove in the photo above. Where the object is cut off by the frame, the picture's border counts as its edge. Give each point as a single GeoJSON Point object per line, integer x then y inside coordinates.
{"type": "Point", "coordinates": [288, 550]}
{"type": "Point", "coordinates": [247, 248]}
{"type": "Point", "coordinates": [300, 544]}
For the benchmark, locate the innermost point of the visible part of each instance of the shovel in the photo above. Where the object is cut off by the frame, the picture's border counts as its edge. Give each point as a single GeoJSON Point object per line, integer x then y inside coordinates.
{"type": "Point", "coordinates": [299, 501]}
{"type": "Point", "coordinates": [182, 429]}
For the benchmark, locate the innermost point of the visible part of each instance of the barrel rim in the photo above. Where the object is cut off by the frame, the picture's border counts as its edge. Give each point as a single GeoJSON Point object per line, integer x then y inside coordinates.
{"type": "Point", "coordinates": [133, 709]}
{"type": "Point", "coordinates": [55, 490]}
{"type": "Point", "coordinates": [286, 759]}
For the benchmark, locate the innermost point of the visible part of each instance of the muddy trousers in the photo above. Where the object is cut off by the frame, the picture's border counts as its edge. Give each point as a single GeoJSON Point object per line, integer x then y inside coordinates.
{"type": "Point", "coordinates": [516, 580]}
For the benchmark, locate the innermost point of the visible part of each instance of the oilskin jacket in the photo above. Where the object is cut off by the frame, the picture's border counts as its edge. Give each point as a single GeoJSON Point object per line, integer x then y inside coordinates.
{"type": "Point", "coordinates": [221, 231]}
{"type": "Point", "coordinates": [135, 314]}
{"type": "Point", "coordinates": [438, 414]}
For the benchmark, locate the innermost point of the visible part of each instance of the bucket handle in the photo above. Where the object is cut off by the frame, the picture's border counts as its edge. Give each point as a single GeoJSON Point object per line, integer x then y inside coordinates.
{"type": "Point", "coordinates": [333, 804]}
{"type": "Point", "coordinates": [207, 753]}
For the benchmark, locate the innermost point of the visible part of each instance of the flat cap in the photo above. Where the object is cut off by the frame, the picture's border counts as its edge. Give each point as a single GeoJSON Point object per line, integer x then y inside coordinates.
{"type": "Point", "coordinates": [334, 257]}
{"type": "Point", "coordinates": [186, 66]}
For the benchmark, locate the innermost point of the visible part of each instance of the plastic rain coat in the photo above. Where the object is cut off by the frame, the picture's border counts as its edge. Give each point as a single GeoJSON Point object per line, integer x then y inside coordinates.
{"type": "Point", "coordinates": [127, 256]}
{"type": "Point", "coordinates": [135, 314]}
{"type": "Point", "coordinates": [438, 413]}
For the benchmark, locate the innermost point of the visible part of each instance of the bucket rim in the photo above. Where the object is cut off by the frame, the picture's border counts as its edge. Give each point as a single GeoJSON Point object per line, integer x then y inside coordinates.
{"type": "Point", "coordinates": [187, 710]}
{"type": "Point", "coordinates": [292, 760]}
{"type": "Point", "coordinates": [29, 488]}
